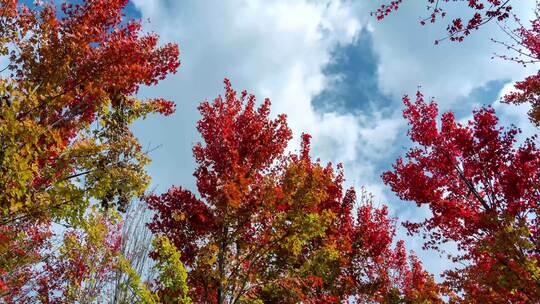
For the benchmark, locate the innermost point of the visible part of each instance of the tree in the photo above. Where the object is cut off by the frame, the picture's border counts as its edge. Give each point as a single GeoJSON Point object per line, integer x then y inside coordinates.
{"type": "Point", "coordinates": [70, 72]}
{"type": "Point", "coordinates": [21, 248]}
{"type": "Point", "coordinates": [482, 190]}
{"type": "Point", "coordinates": [172, 275]}
{"type": "Point", "coordinates": [275, 227]}
{"type": "Point", "coordinates": [84, 265]}
{"type": "Point", "coordinates": [65, 112]}
{"type": "Point", "coordinates": [483, 11]}
{"type": "Point", "coordinates": [85, 269]}
{"type": "Point", "coordinates": [170, 286]}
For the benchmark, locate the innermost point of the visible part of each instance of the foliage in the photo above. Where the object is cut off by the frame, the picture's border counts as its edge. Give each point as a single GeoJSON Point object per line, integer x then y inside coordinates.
{"type": "Point", "coordinates": [275, 227]}
{"type": "Point", "coordinates": [171, 283]}
{"type": "Point", "coordinates": [267, 225]}
{"type": "Point", "coordinates": [65, 143]}
{"type": "Point", "coordinates": [66, 74]}
{"type": "Point", "coordinates": [133, 283]}
{"type": "Point", "coordinates": [21, 247]}
{"type": "Point", "coordinates": [80, 270]}
{"type": "Point", "coordinates": [172, 276]}
{"type": "Point", "coordinates": [482, 191]}
{"type": "Point", "coordinates": [77, 270]}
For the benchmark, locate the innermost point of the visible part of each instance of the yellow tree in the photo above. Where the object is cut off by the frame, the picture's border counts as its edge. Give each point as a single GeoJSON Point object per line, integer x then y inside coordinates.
{"type": "Point", "coordinates": [65, 111]}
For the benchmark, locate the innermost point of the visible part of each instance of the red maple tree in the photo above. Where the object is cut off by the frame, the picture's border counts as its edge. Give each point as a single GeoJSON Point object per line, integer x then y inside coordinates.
{"type": "Point", "coordinates": [482, 190]}
{"type": "Point", "coordinates": [278, 227]}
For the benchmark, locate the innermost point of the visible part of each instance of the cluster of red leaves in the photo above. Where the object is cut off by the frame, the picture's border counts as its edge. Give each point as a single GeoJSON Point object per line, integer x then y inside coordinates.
{"type": "Point", "coordinates": [385, 9]}
{"type": "Point", "coordinates": [163, 106]}
{"type": "Point", "coordinates": [84, 266]}
{"type": "Point", "coordinates": [527, 48]}
{"type": "Point", "coordinates": [380, 272]}
{"type": "Point", "coordinates": [458, 29]}
{"type": "Point", "coordinates": [84, 57]}
{"type": "Point", "coordinates": [20, 248]}
{"type": "Point", "coordinates": [483, 195]}
{"type": "Point", "coordinates": [278, 227]}
{"type": "Point", "coordinates": [527, 91]}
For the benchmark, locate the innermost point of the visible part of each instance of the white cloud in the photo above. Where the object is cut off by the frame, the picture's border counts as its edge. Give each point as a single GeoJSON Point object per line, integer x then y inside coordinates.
{"type": "Point", "coordinates": [408, 56]}
{"type": "Point", "coordinates": [514, 114]}
{"type": "Point", "coordinates": [273, 49]}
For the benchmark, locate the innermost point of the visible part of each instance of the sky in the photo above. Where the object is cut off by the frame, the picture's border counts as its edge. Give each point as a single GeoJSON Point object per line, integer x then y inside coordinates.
{"type": "Point", "coordinates": [336, 72]}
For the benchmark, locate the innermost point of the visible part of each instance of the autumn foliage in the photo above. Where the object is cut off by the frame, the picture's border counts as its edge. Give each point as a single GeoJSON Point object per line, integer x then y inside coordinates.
{"type": "Point", "coordinates": [482, 190]}
{"type": "Point", "coordinates": [67, 73]}
{"type": "Point", "coordinates": [479, 181]}
{"type": "Point", "coordinates": [65, 143]}
{"type": "Point", "coordinates": [267, 223]}
{"type": "Point", "coordinates": [269, 226]}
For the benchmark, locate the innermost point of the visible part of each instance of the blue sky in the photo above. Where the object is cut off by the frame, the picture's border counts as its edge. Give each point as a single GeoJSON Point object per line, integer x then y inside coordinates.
{"type": "Point", "coordinates": [335, 71]}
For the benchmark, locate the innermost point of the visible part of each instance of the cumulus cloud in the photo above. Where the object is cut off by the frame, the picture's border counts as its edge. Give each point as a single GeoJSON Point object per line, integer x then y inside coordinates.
{"type": "Point", "coordinates": [274, 50]}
